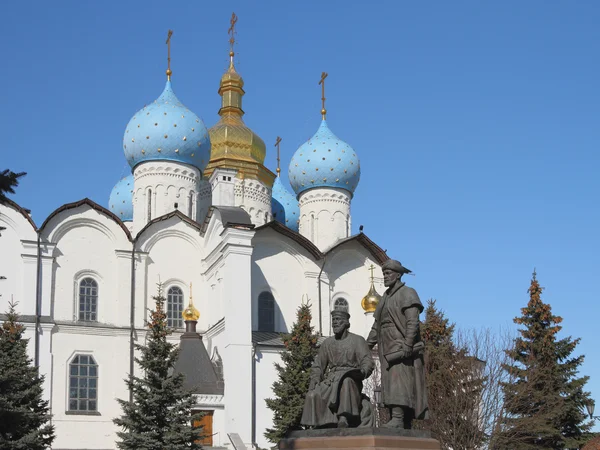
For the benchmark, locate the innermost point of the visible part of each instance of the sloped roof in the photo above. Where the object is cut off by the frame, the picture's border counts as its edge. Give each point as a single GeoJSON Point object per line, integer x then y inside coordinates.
{"type": "Point", "coordinates": [375, 250]}
{"type": "Point", "coordinates": [293, 235]}
{"type": "Point", "coordinates": [194, 363]}
{"type": "Point", "coordinates": [593, 444]}
{"type": "Point", "coordinates": [378, 254]}
{"type": "Point", "coordinates": [175, 213]}
{"type": "Point", "coordinates": [24, 212]}
{"type": "Point", "coordinates": [231, 216]}
{"type": "Point", "coordinates": [94, 206]}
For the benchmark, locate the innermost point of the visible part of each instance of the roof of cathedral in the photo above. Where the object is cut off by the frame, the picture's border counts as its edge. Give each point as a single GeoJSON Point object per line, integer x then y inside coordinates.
{"type": "Point", "coordinates": [166, 130]}
{"type": "Point", "coordinates": [92, 204]}
{"type": "Point", "coordinates": [174, 213]}
{"type": "Point", "coordinates": [23, 211]}
{"type": "Point", "coordinates": [324, 161]}
{"type": "Point", "coordinates": [120, 201]}
{"type": "Point", "coordinates": [378, 254]}
{"type": "Point", "coordinates": [285, 206]}
{"type": "Point", "coordinates": [231, 216]}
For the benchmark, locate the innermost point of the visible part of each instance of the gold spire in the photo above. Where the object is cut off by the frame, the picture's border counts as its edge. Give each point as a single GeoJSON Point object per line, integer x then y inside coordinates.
{"type": "Point", "coordinates": [370, 301]}
{"type": "Point", "coordinates": [169, 73]}
{"type": "Point", "coordinates": [322, 83]}
{"type": "Point", "coordinates": [233, 144]}
{"type": "Point", "coordinates": [277, 142]}
{"type": "Point", "coordinates": [190, 313]}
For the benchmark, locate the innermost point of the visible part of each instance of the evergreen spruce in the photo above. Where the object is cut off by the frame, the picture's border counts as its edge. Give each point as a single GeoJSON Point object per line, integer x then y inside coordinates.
{"type": "Point", "coordinates": [160, 416]}
{"type": "Point", "coordinates": [294, 376]}
{"type": "Point", "coordinates": [24, 415]}
{"type": "Point", "coordinates": [545, 398]}
{"type": "Point", "coordinates": [8, 181]}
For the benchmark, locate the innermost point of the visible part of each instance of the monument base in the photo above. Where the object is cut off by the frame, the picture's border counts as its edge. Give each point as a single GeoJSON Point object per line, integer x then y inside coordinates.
{"type": "Point", "coordinates": [359, 439]}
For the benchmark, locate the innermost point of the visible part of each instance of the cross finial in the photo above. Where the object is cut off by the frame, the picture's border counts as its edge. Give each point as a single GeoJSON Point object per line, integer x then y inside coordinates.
{"type": "Point", "coordinates": [322, 83]}
{"type": "Point", "coordinates": [190, 292]}
{"type": "Point", "coordinates": [372, 269]}
{"type": "Point", "coordinates": [169, 72]}
{"type": "Point", "coordinates": [277, 142]}
{"type": "Point", "coordinates": [231, 33]}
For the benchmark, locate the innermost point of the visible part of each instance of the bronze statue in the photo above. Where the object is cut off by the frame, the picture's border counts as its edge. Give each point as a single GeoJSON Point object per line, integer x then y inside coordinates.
{"type": "Point", "coordinates": [396, 331]}
{"type": "Point", "coordinates": [334, 397]}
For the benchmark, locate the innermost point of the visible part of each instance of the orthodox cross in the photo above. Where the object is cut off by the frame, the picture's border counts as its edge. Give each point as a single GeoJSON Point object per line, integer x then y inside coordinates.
{"type": "Point", "coordinates": [190, 292]}
{"type": "Point", "coordinates": [371, 269]}
{"type": "Point", "coordinates": [277, 142]}
{"type": "Point", "coordinates": [169, 54]}
{"type": "Point", "coordinates": [322, 83]}
{"type": "Point", "coordinates": [231, 33]}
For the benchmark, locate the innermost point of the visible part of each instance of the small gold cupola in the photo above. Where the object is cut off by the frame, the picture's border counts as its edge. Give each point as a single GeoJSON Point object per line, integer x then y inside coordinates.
{"type": "Point", "coordinates": [190, 313]}
{"type": "Point", "coordinates": [233, 144]}
{"type": "Point", "coordinates": [370, 301]}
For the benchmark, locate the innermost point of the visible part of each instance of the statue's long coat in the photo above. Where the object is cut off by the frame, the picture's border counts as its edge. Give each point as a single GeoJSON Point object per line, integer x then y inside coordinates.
{"type": "Point", "coordinates": [397, 324]}
{"type": "Point", "coordinates": [336, 391]}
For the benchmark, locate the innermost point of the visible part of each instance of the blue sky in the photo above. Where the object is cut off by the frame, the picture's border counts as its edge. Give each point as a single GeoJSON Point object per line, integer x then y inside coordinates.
{"type": "Point", "coordinates": [476, 123]}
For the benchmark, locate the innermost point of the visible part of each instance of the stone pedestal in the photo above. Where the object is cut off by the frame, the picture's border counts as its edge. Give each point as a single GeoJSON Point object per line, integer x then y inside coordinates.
{"type": "Point", "coordinates": [359, 439]}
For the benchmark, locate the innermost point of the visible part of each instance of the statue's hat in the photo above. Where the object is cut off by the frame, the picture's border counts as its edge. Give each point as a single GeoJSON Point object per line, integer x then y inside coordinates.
{"type": "Point", "coordinates": [394, 265]}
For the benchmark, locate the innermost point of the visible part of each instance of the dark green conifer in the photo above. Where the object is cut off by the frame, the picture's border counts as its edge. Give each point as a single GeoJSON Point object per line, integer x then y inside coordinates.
{"type": "Point", "coordinates": [293, 376]}
{"type": "Point", "coordinates": [160, 416]}
{"type": "Point", "coordinates": [545, 397]}
{"type": "Point", "coordinates": [24, 415]}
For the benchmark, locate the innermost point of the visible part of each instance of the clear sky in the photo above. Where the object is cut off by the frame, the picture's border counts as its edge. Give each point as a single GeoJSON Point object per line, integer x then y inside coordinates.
{"type": "Point", "coordinates": [476, 123]}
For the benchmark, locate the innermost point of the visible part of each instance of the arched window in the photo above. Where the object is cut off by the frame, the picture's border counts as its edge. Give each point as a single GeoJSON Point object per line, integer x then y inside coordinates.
{"type": "Point", "coordinates": [174, 307]}
{"type": "Point", "coordinates": [83, 384]}
{"type": "Point", "coordinates": [88, 300]}
{"type": "Point", "coordinates": [266, 312]}
{"type": "Point", "coordinates": [341, 304]}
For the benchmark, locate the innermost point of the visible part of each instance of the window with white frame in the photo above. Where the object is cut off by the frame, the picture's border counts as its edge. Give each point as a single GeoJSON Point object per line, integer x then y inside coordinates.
{"type": "Point", "coordinates": [174, 307]}
{"type": "Point", "coordinates": [266, 312]}
{"type": "Point", "coordinates": [88, 300]}
{"type": "Point", "coordinates": [341, 304]}
{"type": "Point", "coordinates": [83, 384]}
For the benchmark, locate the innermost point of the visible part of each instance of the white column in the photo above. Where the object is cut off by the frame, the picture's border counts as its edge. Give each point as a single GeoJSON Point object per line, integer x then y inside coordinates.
{"type": "Point", "coordinates": [237, 357]}
{"type": "Point", "coordinates": [369, 320]}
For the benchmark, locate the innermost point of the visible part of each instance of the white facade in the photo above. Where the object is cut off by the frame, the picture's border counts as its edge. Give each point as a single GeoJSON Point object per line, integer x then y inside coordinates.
{"type": "Point", "coordinates": [164, 186]}
{"type": "Point", "coordinates": [325, 215]}
{"type": "Point", "coordinates": [230, 266]}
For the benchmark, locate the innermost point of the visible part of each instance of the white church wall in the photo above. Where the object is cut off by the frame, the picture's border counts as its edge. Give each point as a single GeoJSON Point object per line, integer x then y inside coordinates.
{"type": "Point", "coordinates": [279, 266]}
{"type": "Point", "coordinates": [110, 349]}
{"type": "Point", "coordinates": [174, 255]}
{"type": "Point", "coordinates": [86, 246]}
{"type": "Point", "coordinates": [348, 270]}
{"type": "Point", "coordinates": [18, 261]}
{"type": "Point", "coordinates": [265, 376]}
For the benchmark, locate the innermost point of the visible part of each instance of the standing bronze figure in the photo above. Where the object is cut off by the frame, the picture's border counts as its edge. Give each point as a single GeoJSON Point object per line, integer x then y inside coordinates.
{"type": "Point", "coordinates": [396, 331]}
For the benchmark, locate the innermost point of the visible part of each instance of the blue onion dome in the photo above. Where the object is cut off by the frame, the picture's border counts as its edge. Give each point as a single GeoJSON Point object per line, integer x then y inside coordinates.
{"type": "Point", "coordinates": [167, 130]}
{"type": "Point", "coordinates": [285, 206]}
{"type": "Point", "coordinates": [120, 201]}
{"type": "Point", "coordinates": [324, 161]}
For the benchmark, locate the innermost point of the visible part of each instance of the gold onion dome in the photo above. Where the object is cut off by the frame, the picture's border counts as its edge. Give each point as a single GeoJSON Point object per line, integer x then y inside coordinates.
{"type": "Point", "coordinates": [190, 313]}
{"type": "Point", "coordinates": [370, 301]}
{"type": "Point", "coordinates": [233, 144]}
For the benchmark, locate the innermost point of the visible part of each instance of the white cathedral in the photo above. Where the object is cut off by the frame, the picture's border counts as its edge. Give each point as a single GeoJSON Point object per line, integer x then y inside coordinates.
{"type": "Point", "coordinates": [200, 209]}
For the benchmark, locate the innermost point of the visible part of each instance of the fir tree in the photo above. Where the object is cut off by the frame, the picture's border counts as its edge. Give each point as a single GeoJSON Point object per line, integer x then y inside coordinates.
{"type": "Point", "coordinates": [160, 416]}
{"type": "Point", "coordinates": [293, 376]}
{"type": "Point", "coordinates": [545, 398]}
{"type": "Point", "coordinates": [8, 181]}
{"type": "Point", "coordinates": [24, 415]}
{"type": "Point", "coordinates": [454, 384]}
